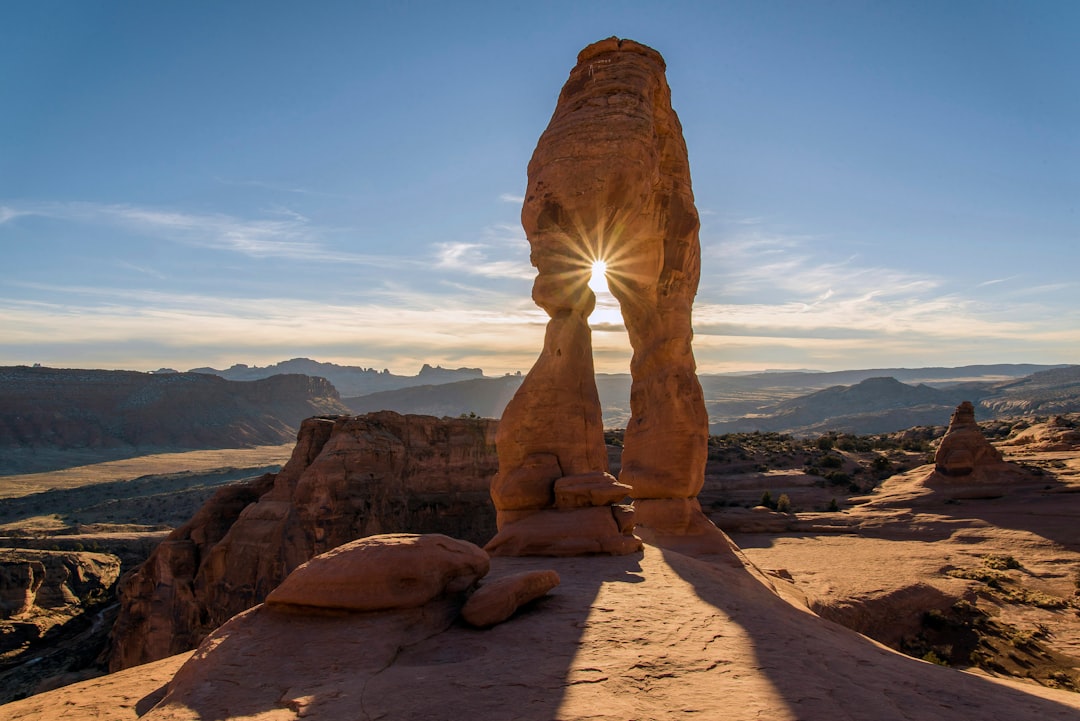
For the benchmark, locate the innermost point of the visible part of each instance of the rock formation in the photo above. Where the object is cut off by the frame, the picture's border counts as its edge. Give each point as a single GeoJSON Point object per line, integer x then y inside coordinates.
{"type": "Point", "coordinates": [609, 181]}
{"type": "Point", "coordinates": [378, 573]}
{"type": "Point", "coordinates": [497, 601]}
{"type": "Point", "coordinates": [33, 582]}
{"type": "Point", "coordinates": [964, 449]}
{"type": "Point", "coordinates": [348, 477]}
{"type": "Point", "coordinates": [1060, 433]}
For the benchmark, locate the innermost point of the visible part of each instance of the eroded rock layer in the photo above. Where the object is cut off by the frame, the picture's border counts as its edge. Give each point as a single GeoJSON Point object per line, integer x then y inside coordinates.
{"type": "Point", "coordinates": [609, 181]}
{"type": "Point", "coordinates": [348, 477]}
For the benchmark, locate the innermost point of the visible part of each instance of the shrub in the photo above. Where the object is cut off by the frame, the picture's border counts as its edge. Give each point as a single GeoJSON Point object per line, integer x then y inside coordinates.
{"type": "Point", "coordinates": [783, 504]}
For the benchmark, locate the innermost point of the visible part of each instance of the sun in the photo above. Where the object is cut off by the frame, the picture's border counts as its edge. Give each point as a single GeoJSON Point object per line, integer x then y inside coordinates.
{"type": "Point", "coordinates": [598, 281]}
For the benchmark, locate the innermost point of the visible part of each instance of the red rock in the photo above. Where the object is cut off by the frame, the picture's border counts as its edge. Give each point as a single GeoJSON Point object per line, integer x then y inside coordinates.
{"type": "Point", "coordinates": [609, 180]}
{"type": "Point", "coordinates": [395, 570]}
{"type": "Point", "coordinates": [497, 600]}
{"type": "Point", "coordinates": [349, 477]}
{"type": "Point", "coordinates": [964, 448]}
{"type": "Point", "coordinates": [566, 532]}
{"type": "Point", "coordinates": [589, 489]}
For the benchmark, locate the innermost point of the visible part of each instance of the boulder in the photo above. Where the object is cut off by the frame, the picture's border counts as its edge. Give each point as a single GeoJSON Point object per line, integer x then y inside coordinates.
{"type": "Point", "coordinates": [568, 532]}
{"type": "Point", "coordinates": [395, 570]}
{"type": "Point", "coordinates": [496, 601]}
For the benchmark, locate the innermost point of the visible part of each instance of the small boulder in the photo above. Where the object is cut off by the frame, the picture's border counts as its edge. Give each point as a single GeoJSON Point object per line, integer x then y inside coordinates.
{"type": "Point", "coordinates": [396, 570]}
{"type": "Point", "coordinates": [497, 601]}
{"type": "Point", "coordinates": [589, 489]}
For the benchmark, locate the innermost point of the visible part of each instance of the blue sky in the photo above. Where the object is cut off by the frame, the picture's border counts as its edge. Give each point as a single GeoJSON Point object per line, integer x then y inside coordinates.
{"type": "Point", "coordinates": [201, 183]}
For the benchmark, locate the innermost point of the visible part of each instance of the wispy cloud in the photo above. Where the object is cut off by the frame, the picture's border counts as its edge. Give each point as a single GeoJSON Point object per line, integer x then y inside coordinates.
{"type": "Point", "coordinates": [9, 213]}
{"type": "Point", "coordinates": [203, 327]}
{"type": "Point", "coordinates": [142, 269]}
{"type": "Point", "coordinates": [472, 258]}
{"type": "Point", "coordinates": [277, 187]}
{"type": "Point", "coordinates": [287, 234]}
{"type": "Point", "coordinates": [511, 198]}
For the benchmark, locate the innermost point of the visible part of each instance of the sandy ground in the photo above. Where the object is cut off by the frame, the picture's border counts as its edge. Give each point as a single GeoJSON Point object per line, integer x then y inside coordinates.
{"type": "Point", "coordinates": [128, 468]}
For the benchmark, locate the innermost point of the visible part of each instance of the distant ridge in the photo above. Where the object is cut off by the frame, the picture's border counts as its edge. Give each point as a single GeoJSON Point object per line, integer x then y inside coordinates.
{"type": "Point", "coordinates": [856, 401]}
{"type": "Point", "coordinates": [349, 380]}
{"type": "Point", "coordinates": [47, 414]}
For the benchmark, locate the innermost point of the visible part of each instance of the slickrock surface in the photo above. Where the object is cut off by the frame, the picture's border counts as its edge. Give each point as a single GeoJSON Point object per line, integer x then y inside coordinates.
{"type": "Point", "coordinates": [348, 477]}
{"type": "Point", "coordinates": [609, 180]}
{"type": "Point", "coordinates": [655, 635]}
{"type": "Point", "coordinates": [122, 696]}
{"type": "Point", "coordinates": [393, 570]}
{"type": "Point", "coordinates": [1060, 433]}
{"type": "Point", "coordinates": [909, 550]}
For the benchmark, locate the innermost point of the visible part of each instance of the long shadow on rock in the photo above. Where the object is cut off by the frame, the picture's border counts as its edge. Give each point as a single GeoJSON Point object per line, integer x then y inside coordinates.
{"type": "Point", "coordinates": [412, 664]}
{"type": "Point", "coordinates": [820, 670]}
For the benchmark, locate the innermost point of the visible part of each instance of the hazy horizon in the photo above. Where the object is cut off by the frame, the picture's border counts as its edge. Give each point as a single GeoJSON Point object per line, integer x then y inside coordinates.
{"type": "Point", "coordinates": [880, 185]}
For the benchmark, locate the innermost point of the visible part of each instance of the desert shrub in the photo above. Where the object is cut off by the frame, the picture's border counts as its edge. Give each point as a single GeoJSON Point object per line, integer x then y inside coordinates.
{"type": "Point", "coordinates": [825, 443]}
{"type": "Point", "coordinates": [831, 461]}
{"type": "Point", "coordinates": [783, 503]}
{"type": "Point", "coordinates": [767, 500]}
{"type": "Point", "coordinates": [1000, 562]}
{"type": "Point", "coordinates": [932, 657]}
{"type": "Point", "coordinates": [837, 478]}
{"type": "Point", "coordinates": [833, 506]}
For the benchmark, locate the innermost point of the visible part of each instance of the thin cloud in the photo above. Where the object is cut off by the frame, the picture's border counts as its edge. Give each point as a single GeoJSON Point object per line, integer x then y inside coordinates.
{"type": "Point", "coordinates": [141, 269]}
{"type": "Point", "coordinates": [472, 258]}
{"type": "Point", "coordinates": [290, 235]}
{"type": "Point", "coordinates": [511, 198]}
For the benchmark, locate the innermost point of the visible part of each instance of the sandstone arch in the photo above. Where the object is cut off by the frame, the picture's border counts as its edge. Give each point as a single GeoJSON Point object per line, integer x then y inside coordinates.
{"type": "Point", "coordinates": [609, 180]}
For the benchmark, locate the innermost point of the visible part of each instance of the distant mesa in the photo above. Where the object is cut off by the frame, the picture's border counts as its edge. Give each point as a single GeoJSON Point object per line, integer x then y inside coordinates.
{"type": "Point", "coordinates": [348, 380]}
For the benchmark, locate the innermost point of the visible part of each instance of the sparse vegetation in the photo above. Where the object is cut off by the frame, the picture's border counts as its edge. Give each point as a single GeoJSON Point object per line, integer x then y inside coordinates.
{"type": "Point", "coordinates": [783, 503]}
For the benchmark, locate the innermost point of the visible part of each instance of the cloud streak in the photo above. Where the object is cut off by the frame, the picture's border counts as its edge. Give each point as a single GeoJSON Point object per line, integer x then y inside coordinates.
{"type": "Point", "coordinates": [290, 236]}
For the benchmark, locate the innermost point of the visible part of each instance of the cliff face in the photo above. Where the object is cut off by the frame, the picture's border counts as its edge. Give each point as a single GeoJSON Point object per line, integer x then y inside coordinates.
{"type": "Point", "coordinates": [348, 477]}
{"type": "Point", "coordinates": [65, 409]}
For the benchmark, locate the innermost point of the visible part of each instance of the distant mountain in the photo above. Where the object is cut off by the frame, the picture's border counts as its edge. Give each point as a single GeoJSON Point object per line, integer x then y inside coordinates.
{"type": "Point", "coordinates": [50, 411]}
{"type": "Point", "coordinates": [348, 380]}
{"type": "Point", "coordinates": [881, 405]}
{"type": "Point", "coordinates": [856, 401]}
{"type": "Point", "coordinates": [731, 397]}
{"type": "Point", "coordinates": [875, 405]}
{"type": "Point", "coordinates": [1048, 392]}
{"type": "Point", "coordinates": [486, 397]}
